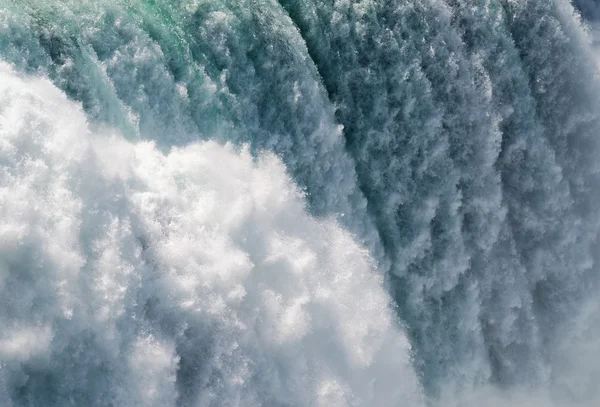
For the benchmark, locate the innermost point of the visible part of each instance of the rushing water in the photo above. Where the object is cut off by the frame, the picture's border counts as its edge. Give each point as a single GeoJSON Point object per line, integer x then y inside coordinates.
{"type": "Point", "coordinates": [299, 203]}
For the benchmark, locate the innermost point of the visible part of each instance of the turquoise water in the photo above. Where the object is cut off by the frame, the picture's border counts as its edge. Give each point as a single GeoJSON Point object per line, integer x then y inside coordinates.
{"type": "Point", "coordinates": [353, 203]}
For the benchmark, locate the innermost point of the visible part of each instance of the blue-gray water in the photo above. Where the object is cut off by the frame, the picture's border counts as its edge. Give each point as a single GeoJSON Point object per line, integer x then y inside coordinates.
{"type": "Point", "coordinates": [299, 203]}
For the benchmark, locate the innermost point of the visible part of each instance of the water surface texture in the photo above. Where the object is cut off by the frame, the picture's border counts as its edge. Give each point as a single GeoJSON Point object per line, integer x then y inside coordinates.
{"type": "Point", "coordinates": [299, 203]}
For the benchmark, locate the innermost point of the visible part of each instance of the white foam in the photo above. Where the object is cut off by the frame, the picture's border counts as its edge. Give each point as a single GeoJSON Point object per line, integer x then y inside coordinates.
{"type": "Point", "coordinates": [132, 277]}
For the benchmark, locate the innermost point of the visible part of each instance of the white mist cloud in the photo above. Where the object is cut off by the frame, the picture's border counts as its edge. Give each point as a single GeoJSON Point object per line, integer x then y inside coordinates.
{"type": "Point", "coordinates": [130, 277]}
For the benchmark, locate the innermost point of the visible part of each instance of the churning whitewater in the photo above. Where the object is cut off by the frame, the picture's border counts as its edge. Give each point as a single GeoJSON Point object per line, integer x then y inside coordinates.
{"type": "Point", "coordinates": [299, 203]}
{"type": "Point", "coordinates": [136, 278]}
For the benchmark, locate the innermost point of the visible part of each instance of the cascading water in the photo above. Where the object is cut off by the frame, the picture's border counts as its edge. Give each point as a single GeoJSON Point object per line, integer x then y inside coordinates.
{"type": "Point", "coordinates": [299, 203]}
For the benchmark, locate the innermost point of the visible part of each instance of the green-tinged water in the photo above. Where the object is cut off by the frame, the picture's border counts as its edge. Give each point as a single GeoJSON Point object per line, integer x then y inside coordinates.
{"type": "Point", "coordinates": [290, 203]}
